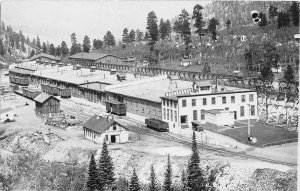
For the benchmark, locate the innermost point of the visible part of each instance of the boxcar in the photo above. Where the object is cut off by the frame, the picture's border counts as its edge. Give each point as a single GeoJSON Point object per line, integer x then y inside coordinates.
{"type": "Point", "coordinates": [19, 80]}
{"type": "Point", "coordinates": [45, 88]}
{"type": "Point", "coordinates": [116, 107]}
{"type": "Point", "coordinates": [157, 124]}
{"type": "Point", "coordinates": [64, 92]}
{"type": "Point", "coordinates": [53, 90]}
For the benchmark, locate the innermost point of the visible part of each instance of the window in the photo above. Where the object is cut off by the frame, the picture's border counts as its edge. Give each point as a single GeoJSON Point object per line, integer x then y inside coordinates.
{"type": "Point", "coordinates": [184, 103]}
{"type": "Point", "coordinates": [195, 115]}
{"type": "Point", "coordinates": [175, 105]}
{"type": "Point", "coordinates": [224, 100]}
{"type": "Point", "coordinates": [183, 119]}
{"type": "Point", "coordinates": [232, 99]}
{"type": "Point", "coordinates": [193, 102]}
{"type": "Point", "coordinates": [148, 111]}
{"type": "Point", "coordinates": [6, 115]}
{"type": "Point", "coordinates": [226, 108]}
{"type": "Point", "coordinates": [167, 103]}
{"type": "Point", "coordinates": [154, 113]}
{"type": "Point", "coordinates": [252, 110]}
{"type": "Point", "coordinates": [164, 102]}
{"type": "Point", "coordinates": [114, 127]}
{"type": "Point", "coordinates": [213, 100]}
{"type": "Point", "coordinates": [242, 111]}
{"type": "Point", "coordinates": [171, 115]}
{"type": "Point", "coordinates": [175, 115]}
{"type": "Point", "coordinates": [167, 114]}
{"type": "Point", "coordinates": [243, 98]}
{"type": "Point", "coordinates": [143, 110]}
{"type": "Point", "coordinates": [164, 113]}
{"type": "Point", "coordinates": [204, 101]}
{"type": "Point", "coordinates": [202, 115]}
{"type": "Point", "coordinates": [106, 137]}
{"type": "Point", "coordinates": [251, 97]}
{"type": "Point", "coordinates": [171, 103]}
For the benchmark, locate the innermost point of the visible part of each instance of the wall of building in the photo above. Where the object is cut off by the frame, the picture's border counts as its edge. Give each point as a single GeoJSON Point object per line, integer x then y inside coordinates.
{"type": "Point", "coordinates": [7, 115]}
{"type": "Point", "coordinates": [169, 109]}
{"type": "Point", "coordinates": [110, 60]}
{"type": "Point", "coordinates": [226, 118]}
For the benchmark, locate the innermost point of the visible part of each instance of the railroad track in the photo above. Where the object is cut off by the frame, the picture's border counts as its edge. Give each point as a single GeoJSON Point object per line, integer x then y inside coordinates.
{"type": "Point", "coordinates": [142, 129]}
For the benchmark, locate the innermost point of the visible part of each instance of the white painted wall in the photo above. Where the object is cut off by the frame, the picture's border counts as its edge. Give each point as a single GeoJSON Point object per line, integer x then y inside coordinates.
{"type": "Point", "coordinates": [224, 118]}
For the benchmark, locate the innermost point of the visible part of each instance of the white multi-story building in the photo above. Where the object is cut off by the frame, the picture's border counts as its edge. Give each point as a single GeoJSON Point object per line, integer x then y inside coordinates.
{"type": "Point", "coordinates": [205, 102]}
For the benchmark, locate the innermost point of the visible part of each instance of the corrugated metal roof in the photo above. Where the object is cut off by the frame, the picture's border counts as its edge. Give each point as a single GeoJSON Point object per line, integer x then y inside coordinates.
{"type": "Point", "coordinates": [43, 97]}
{"type": "Point", "coordinates": [5, 110]}
{"type": "Point", "coordinates": [99, 124]}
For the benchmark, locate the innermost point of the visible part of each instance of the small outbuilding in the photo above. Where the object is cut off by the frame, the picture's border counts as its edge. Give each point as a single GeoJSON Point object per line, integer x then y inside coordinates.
{"type": "Point", "coordinates": [47, 105]}
{"type": "Point", "coordinates": [99, 128]}
{"type": "Point", "coordinates": [6, 114]}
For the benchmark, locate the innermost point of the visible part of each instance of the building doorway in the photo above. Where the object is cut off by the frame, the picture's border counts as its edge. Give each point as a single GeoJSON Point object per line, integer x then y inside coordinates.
{"type": "Point", "coordinates": [113, 138]}
{"type": "Point", "coordinates": [234, 115]}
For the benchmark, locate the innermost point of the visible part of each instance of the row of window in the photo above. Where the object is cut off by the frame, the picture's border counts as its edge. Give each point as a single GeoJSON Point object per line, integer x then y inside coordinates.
{"type": "Point", "coordinates": [169, 103]}
{"type": "Point", "coordinates": [224, 100]}
{"type": "Point", "coordinates": [195, 115]}
{"type": "Point", "coordinates": [252, 110]}
{"type": "Point", "coordinates": [169, 113]}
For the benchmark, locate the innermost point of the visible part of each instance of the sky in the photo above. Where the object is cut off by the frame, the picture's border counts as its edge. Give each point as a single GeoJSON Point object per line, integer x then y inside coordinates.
{"type": "Point", "coordinates": [56, 20]}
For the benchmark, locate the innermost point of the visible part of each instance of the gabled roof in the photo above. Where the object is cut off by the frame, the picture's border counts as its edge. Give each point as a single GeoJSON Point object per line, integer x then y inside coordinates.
{"type": "Point", "coordinates": [43, 97]}
{"type": "Point", "coordinates": [44, 55]}
{"type": "Point", "coordinates": [91, 56]}
{"type": "Point", "coordinates": [5, 110]}
{"type": "Point", "coordinates": [99, 124]}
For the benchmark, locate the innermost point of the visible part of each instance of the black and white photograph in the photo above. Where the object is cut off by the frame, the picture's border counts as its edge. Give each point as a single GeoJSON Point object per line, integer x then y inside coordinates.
{"type": "Point", "coordinates": [140, 95]}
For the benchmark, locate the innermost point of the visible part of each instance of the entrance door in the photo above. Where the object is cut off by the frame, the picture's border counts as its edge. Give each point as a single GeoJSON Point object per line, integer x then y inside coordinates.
{"type": "Point", "coordinates": [234, 114]}
{"type": "Point", "coordinates": [113, 138]}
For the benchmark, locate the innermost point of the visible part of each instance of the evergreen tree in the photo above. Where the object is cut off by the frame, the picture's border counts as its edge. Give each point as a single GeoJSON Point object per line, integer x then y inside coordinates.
{"type": "Point", "coordinates": [2, 48]}
{"type": "Point", "coordinates": [64, 49]}
{"type": "Point", "coordinates": [195, 180]}
{"type": "Point", "coordinates": [294, 13]}
{"type": "Point", "coordinates": [162, 29]}
{"type": "Point", "coordinates": [97, 44]}
{"type": "Point", "coordinates": [199, 23]}
{"type": "Point", "coordinates": [139, 35]}
{"type": "Point", "coordinates": [176, 27]}
{"type": "Point", "coordinates": [146, 37]}
{"type": "Point", "coordinates": [289, 74]}
{"type": "Point", "coordinates": [266, 73]}
{"type": "Point", "coordinates": [74, 47]}
{"type": "Point", "coordinates": [125, 36]}
{"type": "Point", "coordinates": [228, 24]}
{"type": "Point", "coordinates": [105, 169]}
{"type": "Point", "coordinates": [185, 30]}
{"type": "Point", "coordinates": [168, 174]}
{"type": "Point", "coordinates": [273, 11]}
{"type": "Point", "coordinates": [86, 44]}
{"type": "Point", "coordinates": [168, 27]}
{"type": "Point", "coordinates": [91, 182]}
{"type": "Point", "coordinates": [183, 180]}
{"type": "Point", "coordinates": [263, 20]}
{"type": "Point", "coordinates": [153, 183]}
{"type": "Point", "coordinates": [152, 29]}
{"type": "Point", "coordinates": [44, 47]}
{"type": "Point", "coordinates": [32, 53]}
{"type": "Point", "coordinates": [52, 50]}
{"type": "Point", "coordinates": [109, 39]}
{"type": "Point", "coordinates": [131, 36]}
{"type": "Point", "coordinates": [58, 51]}
{"type": "Point", "coordinates": [212, 27]}
{"type": "Point", "coordinates": [33, 42]}
{"type": "Point", "coordinates": [38, 42]}
{"type": "Point", "coordinates": [134, 182]}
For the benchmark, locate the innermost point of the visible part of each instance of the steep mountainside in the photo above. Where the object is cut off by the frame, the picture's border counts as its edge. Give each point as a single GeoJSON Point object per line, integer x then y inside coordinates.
{"type": "Point", "coordinates": [239, 12]}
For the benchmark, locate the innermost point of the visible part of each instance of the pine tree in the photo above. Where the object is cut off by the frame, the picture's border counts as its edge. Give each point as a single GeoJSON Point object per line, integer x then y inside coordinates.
{"type": "Point", "coordinates": [38, 42]}
{"type": "Point", "coordinates": [228, 24]}
{"type": "Point", "coordinates": [97, 44]}
{"type": "Point", "coordinates": [58, 51]}
{"type": "Point", "coordinates": [152, 29]}
{"type": "Point", "coordinates": [2, 48]}
{"type": "Point", "coordinates": [153, 183]}
{"type": "Point", "coordinates": [289, 74]}
{"type": "Point", "coordinates": [266, 73]}
{"type": "Point", "coordinates": [212, 27]}
{"type": "Point", "coordinates": [183, 180]}
{"type": "Point", "coordinates": [105, 169]}
{"type": "Point", "coordinates": [139, 35]}
{"type": "Point", "coordinates": [199, 23]}
{"type": "Point", "coordinates": [32, 53]}
{"type": "Point", "coordinates": [162, 29]}
{"type": "Point", "coordinates": [283, 20]}
{"type": "Point", "coordinates": [91, 182]}
{"type": "Point", "coordinates": [52, 50]}
{"type": "Point", "coordinates": [185, 30]}
{"type": "Point", "coordinates": [64, 49]}
{"type": "Point", "coordinates": [109, 40]}
{"type": "Point", "coordinates": [131, 36]}
{"type": "Point", "coordinates": [195, 180]}
{"type": "Point", "coordinates": [146, 37]}
{"type": "Point", "coordinates": [168, 27]}
{"type": "Point", "coordinates": [125, 36]}
{"type": "Point", "coordinates": [168, 174]}
{"type": "Point", "coordinates": [134, 182]}
{"type": "Point", "coordinates": [44, 47]}
{"type": "Point", "coordinates": [294, 13]}
{"type": "Point", "coordinates": [86, 46]}
{"type": "Point", "coordinates": [273, 11]}
{"type": "Point", "coordinates": [74, 47]}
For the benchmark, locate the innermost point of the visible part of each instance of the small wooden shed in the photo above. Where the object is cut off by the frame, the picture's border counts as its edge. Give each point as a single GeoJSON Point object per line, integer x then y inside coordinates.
{"type": "Point", "coordinates": [47, 105]}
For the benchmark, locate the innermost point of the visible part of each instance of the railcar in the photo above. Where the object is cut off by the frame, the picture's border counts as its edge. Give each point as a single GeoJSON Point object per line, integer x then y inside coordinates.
{"type": "Point", "coordinates": [115, 107]}
{"type": "Point", "coordinates": [157, 125]}
{"type": "Point", "coordinates": [64, 92]}
{"type": "Point", "coordinates": [30, 93]}
{"type": "Point", "coordinates": [19, 80]}
{"type": "Point", "coordinates": [53, 90]}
